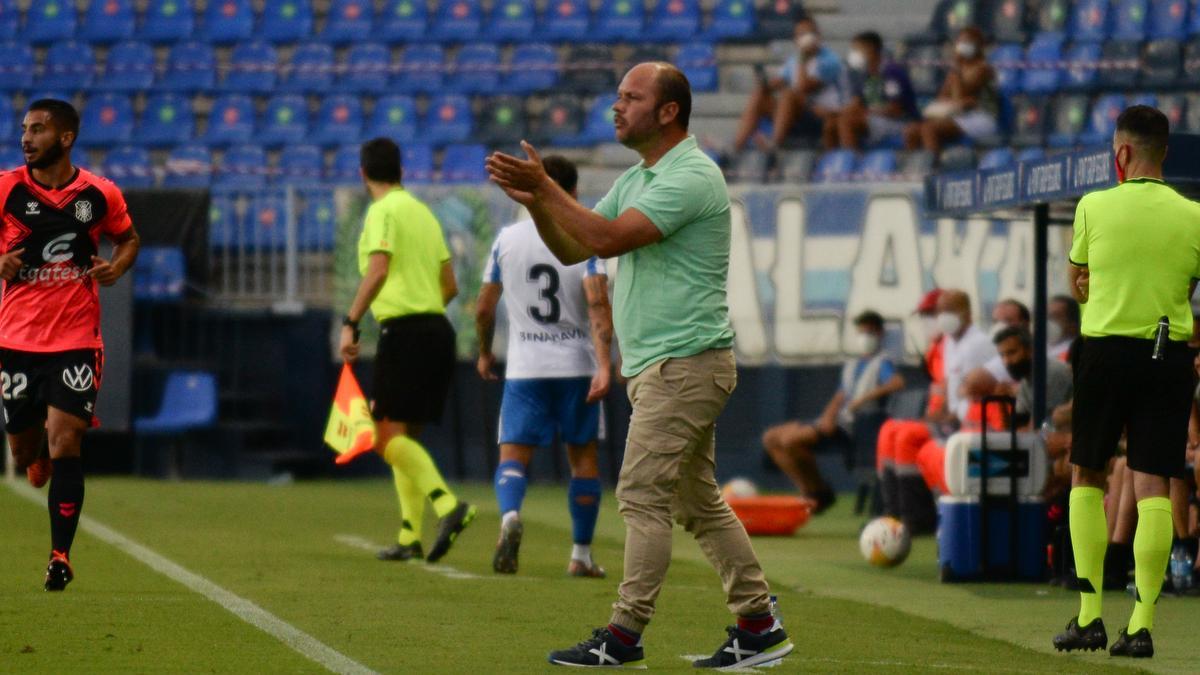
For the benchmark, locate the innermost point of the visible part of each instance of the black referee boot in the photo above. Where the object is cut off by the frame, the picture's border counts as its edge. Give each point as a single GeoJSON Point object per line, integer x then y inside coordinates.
{"type": "Point", "coordinates": [1139, 645]}
{"type": "Point", "coordinates": [1090, 637]}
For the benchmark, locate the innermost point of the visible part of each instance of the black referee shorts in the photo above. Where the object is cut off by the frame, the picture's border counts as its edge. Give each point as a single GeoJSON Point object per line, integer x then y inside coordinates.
{"type": "Point", "coordinates": [413, 368]}
{"type": "Point", "coordinates": [1119, 388]}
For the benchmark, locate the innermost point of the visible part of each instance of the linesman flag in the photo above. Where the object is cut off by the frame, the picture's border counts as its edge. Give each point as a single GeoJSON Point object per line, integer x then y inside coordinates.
{"type": "Point", "coordinates": [351, 430]}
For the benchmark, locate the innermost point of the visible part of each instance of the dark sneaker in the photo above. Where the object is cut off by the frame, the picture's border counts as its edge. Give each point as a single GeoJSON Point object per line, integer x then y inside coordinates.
{"type": "Point", "coordinates": [39, 472]}
{"type": "Point", "coordinates": [1090, 637]}
{"type": "Point", "coordinates": [449, 528]}
{"type": "Point", "coordinates": [1139, 645]}
{"type": "Point", "coordinates": [823, 500]}
{"type": "Point", "coordinates": [402, 552]}
{"type": "Point", "coordinates": [578, 568]}
{"type": "Point", "coordinates": [505, 560]}
{"type": "Point", "coordinates": [58, 572]}
{"type": "Point", "coordinates": [744, 649]}
{"type": "Point", "coordinates": [602, 650]}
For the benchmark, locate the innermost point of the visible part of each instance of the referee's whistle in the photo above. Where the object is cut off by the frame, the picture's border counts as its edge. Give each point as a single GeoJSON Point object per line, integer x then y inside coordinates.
{"type": "Point", "coordinates": [1160, 339]}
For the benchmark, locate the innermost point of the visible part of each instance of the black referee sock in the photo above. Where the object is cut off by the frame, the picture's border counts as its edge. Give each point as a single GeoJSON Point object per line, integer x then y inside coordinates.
{"type": "Point", "coordinates": [65, 502]}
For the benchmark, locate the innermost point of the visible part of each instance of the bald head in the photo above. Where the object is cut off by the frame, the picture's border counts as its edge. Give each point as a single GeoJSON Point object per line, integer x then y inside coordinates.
{"type": "Point", "coordinates": [670, 86]}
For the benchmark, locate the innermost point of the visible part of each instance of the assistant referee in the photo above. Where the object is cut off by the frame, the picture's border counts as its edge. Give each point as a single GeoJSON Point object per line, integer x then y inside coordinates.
{"type": "Point", "coordinates": [1135, 259]}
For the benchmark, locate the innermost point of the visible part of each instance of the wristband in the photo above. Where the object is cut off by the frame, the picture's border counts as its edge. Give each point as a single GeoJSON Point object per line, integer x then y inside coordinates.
{"type": "Point", "coordinates": [353, 326]}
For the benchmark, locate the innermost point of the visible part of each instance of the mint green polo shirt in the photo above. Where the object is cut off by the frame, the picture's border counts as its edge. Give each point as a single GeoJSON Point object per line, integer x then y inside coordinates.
{"type": "Point", "coordinates": [670, 299]}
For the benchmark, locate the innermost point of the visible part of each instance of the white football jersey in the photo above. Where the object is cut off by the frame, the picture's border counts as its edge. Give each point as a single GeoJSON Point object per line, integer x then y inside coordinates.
{"type": "Point", "coordinates": [548, 328]}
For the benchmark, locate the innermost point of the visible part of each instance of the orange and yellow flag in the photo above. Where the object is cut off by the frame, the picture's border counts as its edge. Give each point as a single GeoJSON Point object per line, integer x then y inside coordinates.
{"type": "Point", "coordinates": [351, 430]}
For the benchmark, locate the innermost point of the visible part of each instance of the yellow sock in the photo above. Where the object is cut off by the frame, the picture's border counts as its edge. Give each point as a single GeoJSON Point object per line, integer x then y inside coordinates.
{"type": "Point", "coordinates": [1151, 551]}
{"type": "Point", "coordinates": [1089, 539]}
{"type": "Point", "coordinates": [412, 508]}
{"type": "Point", "coordinates": [410, 457]}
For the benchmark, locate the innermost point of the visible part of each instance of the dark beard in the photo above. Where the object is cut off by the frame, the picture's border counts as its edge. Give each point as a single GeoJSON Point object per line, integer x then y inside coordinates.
{"type": "Point", "coordinates": [49, 158]}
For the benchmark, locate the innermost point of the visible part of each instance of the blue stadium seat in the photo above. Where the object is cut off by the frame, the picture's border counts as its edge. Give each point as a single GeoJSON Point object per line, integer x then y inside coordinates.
{"type": "Point", "coordinates": [1081, 75]}
{"type": "Point", "coordinates": [49, 21]}
{"type": "Point", "coordinates": [421, 70]}
{"type": "Point", "coordinates": [1161, 61]}
{"type": "Point", "coordinates": [252, 67]}
{"type": "Point", "coordinates": [588, 69]}
{"type": "Point", "coordinates": [317, 228]}
{"type": "Point", "coordinates": [878, 165]}
{"type": "Point", "coordinates": [1068, 115]}
{"type": "Point", "coordinates": [1103, 119]}
{"type": "Point", "coordinates": [227, 21]}
{"type": "Point", "coordinates": [1044, 73]}
{"type": "Point", "coordinates": [344, 168]}
{"type": "Point", "coordinates": [731, 19]}
{"type": "Point", "coordinates": [108, 21]}
{"type": "Point", "coordinates": [394, 117]}
{"type": "Point", "coordinates": [475, 70]}
{"type": "Point", "coordinates": [457, 21]}
{"type": "Point", "coordinates": [1191, 60]}
{"type": "Point", "coordinates": [598, 125]}
{"type": "Point", "coordinates": [835, 166]}
{"type": "Point", "coordinates": [189, 402]}
{"type": "Point", "coordinates": [339, 121]}
{"type": "Point", "coordinates": [619, 21]}
{"type": "Point", "coordinates": [167, 119]}
{"type": "Point", "coordinates": [1128, 54]}
{"type": "Point", "coordinates": [448, 120]}
{"type": "Point", "coordinates": [225, 223]}
{"type": "Point", "coordinates": [776, 20]}
{"type": "Point", "coordinates": [1174, 106]}
{"type": "Point", "coordinates": [129, 167]}
{"type": "Point", "coordinates": [191, 66]}
{"type": "Point", "coordinates": [69, 66]}
{"type": "Point", "coordinates": [11, 157]}
{"type": "Point", "coordinates": [996, 158]}
{"type": "Point", "coordinates": [168, 21]}
{"type": "Point", "coordinates": [464, 164]}
{"type": "Point", "coordinates": [1090, 20]}
{"type": "Point", "coordinates": [311, 70]}
{"type": "Point", "coordinates": [417, 161]}
{"type": "Point", "coordinates": [243, 168]}
{"type": "Point", "coordinates": [1006, 20]}
{"type": "Point", "coordinates": [231, 120]}
{"type": "Point", "coordinates": [699, 63]}
{"type": "Point", "coordinates": [566, 21]}
{"type": "Point", "coordinates": [674, 20]}
{"type": "Point", "coordinates": [158, 274]}
{"type": "Point", "coordinates": [300, 166]}
{"type": "Point", "coordinates": [511, 21]}
{"type": "Point", "coordinates": [10, 19]}
{"type": "Point", "coordinates": [1129, 22]}
{"type": "Point", "coordinates": [1142, 99]}
{"type": "Point", "coordinates": [1006, 60]}
{"type": "Point", "coordinates": [348, 21]}
{"type": "Point", "coordinates": [562, 122]}
{"type": "Point", "coordinates": [1168, 19]}
{"type": "Point", "coordinates": [1052, 16]}
{"type": "Point", "coordinates": [533, 67]}
{"type": "Point", "coordinates": [106, 119]}
{"type": "Point", "coordinates": [284, 122]}
{"type": "Point", "coordinates": [367, 68]}
{"type": "Point", "coordinates": [188, 166]}
{"type": "Point", "coordinates": [1029, 120]}
{"type": "Point", "coordinates": [8, 120]}
{"type": "Point", "coordinates": [924, 70]}
{"type": "Point", "coordinates": [16, 66]}
{"type": "Point", "coordinates": [286, 21]}
{"type": "Point", "coordinates": [403, 21]}
{"type": "Point", "coordinates": [503, 122]}
{"type": "Point", "coordinates": [267, 221]}
{"type": "Point", "coordinates": [129, 67]}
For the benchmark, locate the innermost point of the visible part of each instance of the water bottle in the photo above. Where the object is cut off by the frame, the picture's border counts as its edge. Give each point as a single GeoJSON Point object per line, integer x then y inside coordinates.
{"type": "Point", "coordinates": [1181, 568]}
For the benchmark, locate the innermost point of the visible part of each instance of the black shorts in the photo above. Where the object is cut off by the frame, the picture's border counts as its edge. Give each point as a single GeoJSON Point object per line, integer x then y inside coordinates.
{"type": "Point", "coordinates": [31, 381]}
{"type": "Point", "coordinates": [1119, 388]}
{"type": "Point", "coordinates": [413, 368]}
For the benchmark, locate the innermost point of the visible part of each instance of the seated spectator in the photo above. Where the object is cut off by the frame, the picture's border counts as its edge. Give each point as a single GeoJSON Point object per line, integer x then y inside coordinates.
{"type": "Point", "coordinates": [800, 98]}
{"type": "Point", "coordinates": [881, 103]}
{"type": "Point", "coordinates": [1008, 313]}
{"type": "Point", "coordinates": [1062, 326]}
{"type": "Point", "coordinates": [968, 103]}
{"type": "Point", "coordinates": [866, 382]}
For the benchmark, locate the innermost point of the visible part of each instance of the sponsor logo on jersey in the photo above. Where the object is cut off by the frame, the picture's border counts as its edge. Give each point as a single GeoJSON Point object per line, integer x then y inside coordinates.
{"type": "Point", "coordinates": [32, 209]}
{"type": "Point", "coordinates": [83, 211]}
{"type": "Point", "coordinates": [78, 378]}
{"type": "Point", "coordinates": [58, 249]}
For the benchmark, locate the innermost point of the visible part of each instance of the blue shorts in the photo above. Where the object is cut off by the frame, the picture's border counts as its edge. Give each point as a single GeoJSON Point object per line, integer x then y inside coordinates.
{"type": "Point", "coordinates": [533, 410]}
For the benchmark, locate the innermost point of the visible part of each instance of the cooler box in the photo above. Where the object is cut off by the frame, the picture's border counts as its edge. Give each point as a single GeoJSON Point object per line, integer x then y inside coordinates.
{"type": "Point", "coordinates": [962, 464]}
{"type": "Point", "coordinates": [959, 538]}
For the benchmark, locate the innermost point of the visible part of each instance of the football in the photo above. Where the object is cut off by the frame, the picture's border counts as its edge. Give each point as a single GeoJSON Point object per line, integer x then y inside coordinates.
{"type": "Point", "coordinates": [885, 542]}
{"type": "Point", "coordinates": [740, 488]}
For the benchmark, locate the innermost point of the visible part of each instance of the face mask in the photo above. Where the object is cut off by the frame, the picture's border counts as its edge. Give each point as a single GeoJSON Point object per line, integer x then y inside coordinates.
{"type": "Point", "coordinates": [1117, 165]}
{"type": "Point", "coordinates": [856, 60]}
{"type": "Point", "coordinates": [996, 328]}
{"type": "Point", "coordinates": [866, 343]}
{"type": "Point", "coordinates": [949, 323]}
{"type": "Point", "coordinates": [1054, 332]}
{"type": "Point", "coordinates": [930, 328]}
{"type": "Point", "coordinates": [966, 49]}
{"type": "Point", "coordinates": [806, 42]}
{"type": "Point", "coordinates": [1020, 370]}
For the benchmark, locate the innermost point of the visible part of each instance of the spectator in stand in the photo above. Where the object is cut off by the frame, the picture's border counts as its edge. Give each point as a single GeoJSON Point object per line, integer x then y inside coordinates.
{"type": "Point", "coordinates": [800, 99]}
{"type": "Point", "coordinates": [968, 103]}
{"type": "Point", "coordinates": [1007, 313]}
{"type": "Point", "coordinates": [1062, 326]}
{"type": "Point", "coordinates": [882, 102]}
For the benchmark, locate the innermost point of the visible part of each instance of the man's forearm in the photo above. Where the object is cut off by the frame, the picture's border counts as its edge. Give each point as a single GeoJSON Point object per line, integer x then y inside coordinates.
{"type": "Point", "coordinates": [125, 254]}
{"type": "Point", "coordinates": [485, 329]}
{"type": "Point", "coordinates": [367, 290]}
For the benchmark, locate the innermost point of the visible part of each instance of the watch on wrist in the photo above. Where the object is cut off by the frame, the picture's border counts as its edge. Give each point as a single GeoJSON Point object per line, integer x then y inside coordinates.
{"type": "Point", "coordinates": [352, 325]}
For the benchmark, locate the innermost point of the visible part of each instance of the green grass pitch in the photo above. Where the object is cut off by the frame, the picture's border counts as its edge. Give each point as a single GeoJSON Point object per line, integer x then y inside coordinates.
{"type": "Point", "coordinates": [298, 551]}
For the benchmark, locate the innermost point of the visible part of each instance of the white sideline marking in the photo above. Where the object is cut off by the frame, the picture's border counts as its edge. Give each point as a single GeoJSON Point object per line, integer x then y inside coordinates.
{"type": "Point", "coordinates": [355, 541]}
{"type": "Point", "coordinates": [793, 658]}
{"type": "Point", "coordinates": [297, 640]}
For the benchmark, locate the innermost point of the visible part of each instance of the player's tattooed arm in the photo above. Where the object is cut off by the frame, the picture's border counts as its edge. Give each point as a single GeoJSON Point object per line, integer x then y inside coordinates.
{"type": "Point", "coordinates": [106, 272]}
{"type": "Point", "coordinates": [485, 328]}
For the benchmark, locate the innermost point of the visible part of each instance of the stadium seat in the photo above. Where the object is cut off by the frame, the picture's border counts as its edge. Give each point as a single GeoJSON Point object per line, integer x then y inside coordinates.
{"type": "Point", "coordinates": [699, 63]}
{"type": "Point", "coordinates": [189, 401]}
{"type": "Point", "coordinates": [394, 117]}
{"type": "Point", "coordinates": [231, 120]}
{"type": "Point", "coordinates": [1167, 20]}
{"type": "Point", "coordinates": [167, 21]}
{"type": "Point", "coordinates": [367, 68]}
{"type": "Point", "coordinates": [835, 166]}
{"type": "Point", "coordinates": [1174, 106]}
{"type": "Point", "coordinates": [1007, 60]}
{"type": "Point", "coordinates": [286, 21]}
{"type": "Point", "coordinates": [776, 20]}
{"type": "Point", "coordinates": [1052, 16]}
{"type": "Point", "coordinates": [1029, 120]}
{"type": "Point", "coordinates": [16, 66]}
{"type": "Point", "coordinates": [1103, 119]}
{"type": "Point", "coordinates": [503, 121]}
{"type": "Point", "coordinates": [191, 66]}
{"type": "Point", "coordinates": [925, 71]}
{"type": "Point", "coordinates": [619, 21]}
{"type": "Point", "coordinates": [167, 119]}
{"type": "Point", "coordinates": [49, 21]}
{"type": "Point", "coordinates": [1068, 115]}
{"type": "Point", "coordinates": [129, 67]}
{"type": "Point", "coordinates": [348, 21]}
{"type": "Point", "coordinates": [878, 165]}
{"type": "Point", "coordinates": [228, 21]}
{"type": "Point", "coordinates": [129, 167]}
{"type": "Point", "coordinates": [107, 21]}
{"type": "Point", "coordinates": [11, 157]}
{"type": "Point", "coordinates": [10, 19]}
{"type": "Point", "coordinates": [1090, 20]}
{"type": "Point", "coordinates": [339, 121]}
{"type": "Point", "coordinates": [346, 161]}
{"type": "Point", "coordinates": [674, 20]}
{"type": "Point", "coordinates": [1191, 117]}
{"type": "Point", "coordinates": [317, 228]}
{"type": "Point", "coordinates": [598, 124]}
{"type": "Point", "coordinates": [300, 166]}
{"type": "Point", "coordinates": [252, 67]}
{"type": "Point", "coordinates": [957, 158]}
{"type": "Point", "coordinates": [533, 67]}
{"type": "Point", "coordinates": [1127, 57]}
{"type": "Point", "coordinates": [646, 51]}
{"type": "Point", "coordinates": [457, 21]}
{"type": "Point", "coordinates": [243, 168]}
{"type": "Point", "coordinates": [730, 19]}
{"type": "Point", "coordinates": [1006, 20]}
{"type": "Point", "coordinates": [417, 162]}
{"type": "Point", "coordinates": [996, 158]}
{"type": "Point", "coordinates": [188, 166]}
{"type": "Point", "coordinates": [795, 166]}
{"type": "Point", "coordinates": [8, 121]}
{"type": "Point", "coordinates": [464, 164]}
{"type": "Point", "coordinates": [106, 119]}
{"type": "Point", "coordinates": [1130, 18]}
{"type": "Point", "coordinates": [284, 122]}
{"type": "Point", "coordinates": [225, 223]}
{"type": "Point", "coordinates": [1161, 61]}
{"type": "Point", "coordinates": [511, 21]}
{"type": "Point", "coordinates": [589, 69]}
{"type": "Point", "coordinates": [311, 70]}
{"type": "Point", "coordinates": [561, 121]}
{"type": "Point", "coordinates": [421, 70]}
{"type": "Point", "coordinates": [566, 21]}
{"type": "Point", "coordinates": [1044, 74]}
{"type": "Point", "coordinates": [447, 120]}
{"type": "Point", "coordinates": [475, 70]}
{"type": "Point", "coordinates": [1191, 60]}
{"type": "Point", "coordinates": [403, 21]}
{"type": "Point", "coordinates": [267, 221]}
{"type": "Point", "coordinates": [158, 274]}
{"type": "Point", "coordinates": [69, 66]}
{"type": "Point", "coordinates": [1081, 74]}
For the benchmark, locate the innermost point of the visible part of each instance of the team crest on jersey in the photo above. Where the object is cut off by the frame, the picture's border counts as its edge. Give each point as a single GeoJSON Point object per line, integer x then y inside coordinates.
{"type": "Point", "coordinates": [83, 211]}
{"type": "Point", "coordinates": [78, 378]}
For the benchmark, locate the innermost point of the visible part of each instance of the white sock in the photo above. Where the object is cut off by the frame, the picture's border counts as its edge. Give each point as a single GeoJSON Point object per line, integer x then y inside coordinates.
{"type": "Point", "coordinates": [582, 553]}
{"type": "Point", "coordinates": [509, 515]}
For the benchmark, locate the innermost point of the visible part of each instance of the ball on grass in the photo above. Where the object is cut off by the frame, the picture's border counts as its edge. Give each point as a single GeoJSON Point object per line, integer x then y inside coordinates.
{"type": "Point", "coordinates": [885, 542]}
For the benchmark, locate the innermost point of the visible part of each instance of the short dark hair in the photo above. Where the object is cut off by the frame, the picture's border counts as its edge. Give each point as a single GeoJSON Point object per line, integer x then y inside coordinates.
{"type": "Point", "coordinates": [1072, 307]}
{"type": "Point", "coordinates": [562, 170]}
{"type": "Point", "coordinates": [871, 319]}
{"type": "Point", "coordinates": [1148, 127]}
{"type": "Point", "coordinates": [1018, 332]}
{"type": "Point", "coordinates": [871, 38]}
{"type": "Point", "coordinates": [380, 160]}
{"type": "Point", "coordinates": [65, 116]}
{"type": "Point", "coordinates": [673, 87]}
{"type": "Point", "coordinates": [1022, 309]}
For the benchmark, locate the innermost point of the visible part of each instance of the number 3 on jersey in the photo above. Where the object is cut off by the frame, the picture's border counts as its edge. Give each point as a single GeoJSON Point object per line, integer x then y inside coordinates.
{"type": "Point", "coordinates": [12, 386]}
{"type": "Point", "coordinates": [548, 292]}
